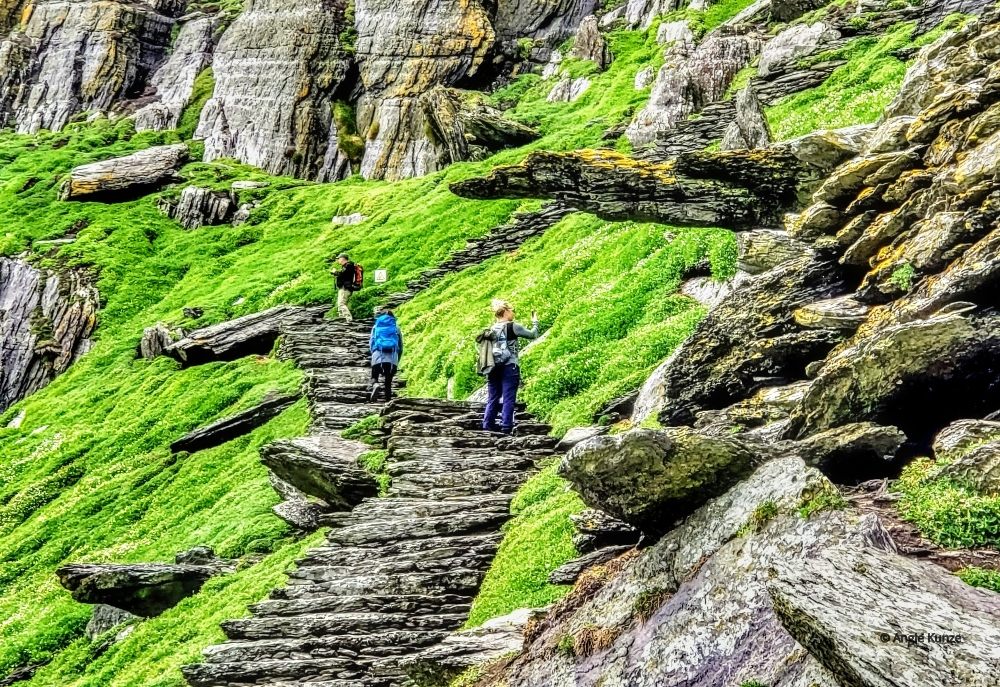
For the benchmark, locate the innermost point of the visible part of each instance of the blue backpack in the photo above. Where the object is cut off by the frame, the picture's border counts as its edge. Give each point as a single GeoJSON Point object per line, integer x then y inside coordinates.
{"type": "Point", "coordinates": [386, 338]}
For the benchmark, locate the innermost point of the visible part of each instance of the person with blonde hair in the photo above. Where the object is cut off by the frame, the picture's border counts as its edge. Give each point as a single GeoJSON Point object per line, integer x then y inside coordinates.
{"type": "Point", "coordinates": [505, 376]}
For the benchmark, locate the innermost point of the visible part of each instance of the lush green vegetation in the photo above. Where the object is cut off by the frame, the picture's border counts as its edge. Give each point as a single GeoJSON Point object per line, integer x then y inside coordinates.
{"type": "Point", "coordinates": [536, 542]}
{"type": "Point", "coordinates": [947, 512]}
{"type": "Point", "coordinates": [981, 577]}
{"type": "Point", "coordinates": [857, 92]}
{"type": "Point", "coordinates": [606, 296]}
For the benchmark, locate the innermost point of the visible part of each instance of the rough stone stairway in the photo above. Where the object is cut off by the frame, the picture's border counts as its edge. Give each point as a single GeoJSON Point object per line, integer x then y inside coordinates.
{"type": "Point", "coordinates": [397, 573]}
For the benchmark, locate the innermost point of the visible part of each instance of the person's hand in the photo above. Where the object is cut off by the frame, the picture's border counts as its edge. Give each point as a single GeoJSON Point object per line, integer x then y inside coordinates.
{"type": "Point", "coordinates": [534, 316]}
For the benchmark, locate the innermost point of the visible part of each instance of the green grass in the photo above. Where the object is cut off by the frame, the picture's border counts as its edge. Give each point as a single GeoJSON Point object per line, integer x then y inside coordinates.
{"type": "Point", "coordinates": [945, 511]}
{"type": "Point", "coordinates": [605, 293]}
{"type": "Point", "coordinates": [980, 577]}
{"type": "Point", "coordinates": [857, 92]}
{"type": "Point", "coordinates": [537, 541]}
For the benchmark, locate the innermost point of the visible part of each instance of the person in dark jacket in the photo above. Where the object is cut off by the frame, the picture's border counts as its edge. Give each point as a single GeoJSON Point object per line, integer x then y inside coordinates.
{"type": "Point", "coordinates": [345, 282]}
{"type": "Point", "coordinates": [505, 377]}
{"type": "Point", "coordinates": [386, 344]}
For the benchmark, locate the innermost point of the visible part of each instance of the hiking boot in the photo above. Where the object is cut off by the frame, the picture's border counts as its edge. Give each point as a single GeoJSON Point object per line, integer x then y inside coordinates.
{"type": "Point", "coordinates": [373, 394]}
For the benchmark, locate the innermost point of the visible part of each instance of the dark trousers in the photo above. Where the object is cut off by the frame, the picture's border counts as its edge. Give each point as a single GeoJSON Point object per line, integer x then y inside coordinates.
{"type": "Point", "coordinates": [387, 371]}
{"type": "Point", "coordinates": [502, 383]}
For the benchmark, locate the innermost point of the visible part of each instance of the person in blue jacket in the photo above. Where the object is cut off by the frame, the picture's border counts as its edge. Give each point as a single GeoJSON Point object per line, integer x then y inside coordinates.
{"type": "Point", "coordinates": [386, 346]}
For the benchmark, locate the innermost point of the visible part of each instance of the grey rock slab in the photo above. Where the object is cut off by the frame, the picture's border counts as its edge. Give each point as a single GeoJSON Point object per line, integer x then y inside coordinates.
{"type": "Point", "coordinates": [229, 428]}
{"type": "Point", "coordinates": [569, 573]}
{"type": "Point", "coordinates": [877, 619]}
{"type": "Point", "coordinates": [963, 436]}
{"type": "Point", "coordinates": [121, 178]}
{"type": "Point", "coordinates": [106, 618]}
{"type": "Point", "coordinates": [323, 466]}
{"type": "Point", "coordinates": [578, 434]}
{"type": "Point", "coordinates": [795, 42]}
{"type": "Point", "coordinates": [144, 589]}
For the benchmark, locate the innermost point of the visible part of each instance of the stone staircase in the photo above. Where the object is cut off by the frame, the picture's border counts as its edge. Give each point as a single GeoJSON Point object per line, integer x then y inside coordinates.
{"type": "Point", "coordinates": [397, 574]}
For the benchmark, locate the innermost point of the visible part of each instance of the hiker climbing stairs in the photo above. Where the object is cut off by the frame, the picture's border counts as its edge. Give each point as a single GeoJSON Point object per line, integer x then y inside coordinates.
{"type": "Point", "coordinates": [397, 573]}
{"type": "Point", "coordinates": [334, 356]}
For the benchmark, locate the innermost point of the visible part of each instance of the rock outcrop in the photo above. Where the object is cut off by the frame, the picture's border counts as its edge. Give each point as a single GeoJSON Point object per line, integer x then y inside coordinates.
{"type": "Point", "coordinates": [174, 80]}
{"type": "Point", "coordinates": [253, 334]}
{"type": "Point", "coordinates": [46, 323]}
{"type": "Point", "coordinates": [122, 178]}
{"type": "Point", "coordinates": [143, 589]}
{"type": "Point", "coordinates": [277, 69]}
{"type": "Point", "coordinates": [71, 56]}
{"type": "Point", "coordinates": [229, 428]}
{"type": "Point", "coordinates": [199, 206]}
{"type": "Point", "coordinates": [325, 467]}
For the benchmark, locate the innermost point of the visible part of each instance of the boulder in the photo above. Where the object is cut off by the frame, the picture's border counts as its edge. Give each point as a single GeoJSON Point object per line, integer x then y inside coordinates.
{"type": "Point", "coordinates": [590, 44]}
{"type": "Point", "coordinates": [574, 436]}
{"type": "Point", "coordinates": [568, 90]}
{"type": "Point", "coordinates": [787, 10]}
{"type": "Point", "coordinates": [202, 555]}
{"type": "Point", "coordinates": [641, 13]}
{"type": "Point", "coordinates": [66, 57]}
{"type": "Point", "coordinates": [763, 249]}
{"type": "Point", "coordinates": [885, 374]}
{"type": "Point", "coordinates": [651, 479]}
{"type": "Point", "coordinates": [979, 468]}
{"type": "Point", "coordinates": [143, 589]}
{"type": "Point", "coordinates": [547, 22]}
{"type": "Point", "coordinates": [276, 69]}
{"type": "Point", "coordinates": [750, 128]}
{"type": "Point", "coordinates": [229, 428]}
{"type": "Point", "coordinates": [199, 206]}
{"type": "Point", "coordinates": [750, 340]}
{"type": "Point", "coordinates": [190, 55]}
{"type": "Point", "coordinates": [154, 341]}
{"type": "Point", "coordinates": [106, 618]}
{"type": "Point", "coordinates": [851, 453]}
{"type": "Point", "coordinates": [784, 50]}
{"type": "Point", "coordinates": [961, 437]}
{"type": "Point", "coordinates": [877, 619]}
{"type": "Point", "coordinates": [124, 178]}
{"type": "Point", "coordinates": [464, 123]}
{"type": "Point", "coordinates": [253, 334]}
{"type": "Point", "coordinates": [46, 323]}
{"type": "Point", "coordinates": [708, 291]}
{"type": "Point", "coordinates": [302, 515]}
{"type": "Point", "coordinates": [323, 466]}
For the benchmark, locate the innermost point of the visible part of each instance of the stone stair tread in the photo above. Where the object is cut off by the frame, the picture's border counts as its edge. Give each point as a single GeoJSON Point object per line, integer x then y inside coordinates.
{"type": "Point", "coordinates": [406, 550]}
{"type": "Point", "coordinates": [421, 528]}
{"type": "Point", "coordinates": [356, 647]}
{"type": "Point", "coordinates": [321, 624]}
{"type": "Point", "coordinates": [416, 604]}
{"type": "Point", "coordinates": [457, 581]}
{"type": "Point", "coordinates": [293, 671]}
{"type": "Point", "coordinates": [334, 572]}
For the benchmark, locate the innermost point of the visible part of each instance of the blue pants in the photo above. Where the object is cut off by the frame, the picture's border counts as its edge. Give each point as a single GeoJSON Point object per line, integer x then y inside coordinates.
{"type": "Point", "coordinates": [503, 381]}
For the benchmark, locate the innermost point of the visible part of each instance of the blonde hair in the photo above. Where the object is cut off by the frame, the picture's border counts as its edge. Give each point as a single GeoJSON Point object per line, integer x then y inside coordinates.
{"type": "Point", "coordinates": [500, 306]}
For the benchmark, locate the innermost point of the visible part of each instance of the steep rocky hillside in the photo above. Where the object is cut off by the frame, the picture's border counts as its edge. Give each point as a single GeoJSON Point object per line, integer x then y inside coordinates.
{"type": "Point", "coordinates": [760, 426]}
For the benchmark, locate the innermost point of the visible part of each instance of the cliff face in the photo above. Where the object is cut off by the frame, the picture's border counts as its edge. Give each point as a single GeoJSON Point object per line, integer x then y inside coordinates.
{"type": "Point", "coordinates": [70, 56]}
{"type": "Point", "coordinates": [276, 70]}
{"type": "Point", "coordinates": [45, 323]}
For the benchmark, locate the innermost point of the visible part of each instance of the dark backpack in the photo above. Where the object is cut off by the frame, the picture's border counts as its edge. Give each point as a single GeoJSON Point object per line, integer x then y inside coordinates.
{"type": "Point", "coordinates": [386, 335]}
{"type": "Point", "coordinates": [359, 278]}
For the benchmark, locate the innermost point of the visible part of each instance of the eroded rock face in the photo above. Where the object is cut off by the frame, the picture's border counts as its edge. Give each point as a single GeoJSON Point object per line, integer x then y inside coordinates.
{"type": "Point", "coordinates": [799, 40]}
{"type": "Point", "coordinates": [546, 21]}
{"type": "Point", "coordinates": [276, 70]}
{"type": "Point", "coordinates": [71, 56]}
{"type": "Point", "coordinates": [405, 48]}
{"type": "Point", "coordinates": [199, 206]}
{"type": "Point", "coordinates": [46, 320]}
{"type": "Point", "coordinates": [174, 79]}
{"type": "Point", "coordinates": [640, 621]}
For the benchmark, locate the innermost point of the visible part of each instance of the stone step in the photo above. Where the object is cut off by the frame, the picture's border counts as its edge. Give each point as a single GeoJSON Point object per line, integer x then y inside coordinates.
{"type": "Point", "coordinates": [401, 488]}
{"type": "Point", "coordinates": [434, 462]}
{"type": "Point", "coordinates": [324, 624]}
{"type": "Point", "coordinates": [483, 481]}
{"type": "Point", "coordinates": [329, 573]}
{"type": "Point", "coordinates": [406, 550]}
{"type": "Point", "coordinates": [317, 361]}
{"type": "Point", "coordinates": [337, 416]}
{"type": "Point", "coordinates": [438, 437]}
{"type": "Point", "coordinates": [419, 508]}
{"type": "Point", "coordinates": [456, 581]}
{"type": "Point", "coordinates": [268, 671]}
{"type": "Point", "coordinates": [378, 531]}
{"type": "Point", "coordinates": [412, 604]}
{"type": "Point", "coordinates": [359, 648]}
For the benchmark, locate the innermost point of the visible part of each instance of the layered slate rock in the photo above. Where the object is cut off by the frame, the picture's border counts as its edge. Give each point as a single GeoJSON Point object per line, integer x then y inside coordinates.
{"type": "Point", "coordinates": [276, 69]}
{"type": "Point", "coordinates": [734, 189]}
{"type": "Point", "coordinates": [173, 81]}
{"type": "Point", "coordinates": [234, 426]}
{"type": "Point", "coordinates": [875, 618]}
{"type": "Point", "coordinates": [397, 573]}
{"type": "Point", "coordinates": [198, 206]}
{"type": "Point", "coordinates": [47, 321]}
{"type": "Point", "coordinates": [405, 48]}
{"type": "Point", "coordinates": [548, 22]}
{"type": "Point", "coordinates": [253, 334]}
{"type": "Point", "coordinates": [639, 619]}
{"type": "Point", "coordinates": [124, 178]}
{"type": "Point", "coordinates": [323, 466]}
{"type": "Point", "coordinates": [71, 56]}
{"type": "Point", "coordinates": [143, 589]}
